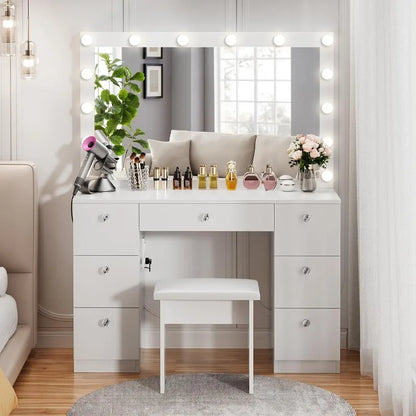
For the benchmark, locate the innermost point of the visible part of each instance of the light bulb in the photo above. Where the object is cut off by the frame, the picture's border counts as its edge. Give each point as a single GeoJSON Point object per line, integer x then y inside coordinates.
{"type": "Point", "coordinates": [329, 141]}
{"type": "Point", "coordinates": [279, 40]}
{"type": "Point", "coordinates": [134, 40]}
{"type": "Point", "coordinates": [86, 108]}
{"type": "Point", "coordinates": [8, 23]}
{"type": "Point", "coordinates": [231, 40]}
{"type": "Point", "coordinates": [28, 60]}
{"type": "Point", "coordinates": [327, 176]}
{"type": "Point", "coordinates": [327, 108]}
{"type": "Point", "coordinates": [86, 74]}
{"type": "Point", "coordinates": [327, 74]}
{"type": "Point", "coordinates": [86, 40]}
{"type": "Point", "coordinates": [8, 29]}
{"type": "Point", "coordinates": [327, 40]}
{"type": "Point", "coordinates": [182, 40]}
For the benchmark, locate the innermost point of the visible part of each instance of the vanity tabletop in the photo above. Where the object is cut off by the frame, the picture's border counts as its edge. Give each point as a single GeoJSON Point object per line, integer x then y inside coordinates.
{"type": "Point", "coordinates": [123, 194]}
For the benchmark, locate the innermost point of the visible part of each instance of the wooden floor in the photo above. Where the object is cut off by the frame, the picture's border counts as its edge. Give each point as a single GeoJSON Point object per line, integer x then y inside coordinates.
{"type": "Point", "coordinates": [48, 386]}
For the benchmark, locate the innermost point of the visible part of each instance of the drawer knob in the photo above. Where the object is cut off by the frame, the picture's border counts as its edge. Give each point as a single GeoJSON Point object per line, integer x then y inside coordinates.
{"type": "Point", "coordinates": [306, 323]}
{"type": "Point", "coordinates": [205, 217]}
{"type": "Point", "coordinates": [104, 323]}
{"type": "Point", "coordinates": [105, 217]}
{"type": "Point", "coordinates": [306, 218]}
{"type": "Point", "coordinates": [105, 269]}
{"type": "Point", "coordinates": [306, 270]}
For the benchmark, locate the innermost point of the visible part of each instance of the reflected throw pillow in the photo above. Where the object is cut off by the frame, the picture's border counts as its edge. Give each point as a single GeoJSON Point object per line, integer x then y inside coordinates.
{"type": "Point", "coordinates": [170, 155]}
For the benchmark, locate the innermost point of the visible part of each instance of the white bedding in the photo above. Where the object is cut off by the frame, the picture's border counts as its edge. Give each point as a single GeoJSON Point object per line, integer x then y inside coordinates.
{"type": "Point", "coordinates": [8, 319]}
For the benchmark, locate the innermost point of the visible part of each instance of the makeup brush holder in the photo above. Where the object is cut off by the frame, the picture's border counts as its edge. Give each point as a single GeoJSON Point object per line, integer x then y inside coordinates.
{"type": "Point", "coordinates": [138, 178]}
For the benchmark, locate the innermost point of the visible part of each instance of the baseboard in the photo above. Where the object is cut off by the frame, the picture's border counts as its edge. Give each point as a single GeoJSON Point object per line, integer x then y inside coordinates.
{"type": "Point", "coordinates": [58, 338]}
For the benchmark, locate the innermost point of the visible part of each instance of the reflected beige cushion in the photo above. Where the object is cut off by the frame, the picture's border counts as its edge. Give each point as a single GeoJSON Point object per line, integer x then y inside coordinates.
{"type": "Point", "coordinates": [170, 155]}
{"type": "Point", "coordinates": [209, 148]}
{"type": "Point", "coordinates": [272, 150]}
{"type": "Point", "coordinates": [8, 399]}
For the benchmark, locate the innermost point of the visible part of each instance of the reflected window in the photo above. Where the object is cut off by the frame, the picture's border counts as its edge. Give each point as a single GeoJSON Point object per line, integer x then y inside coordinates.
{"type": "Point", "coordinates": [253, 90]}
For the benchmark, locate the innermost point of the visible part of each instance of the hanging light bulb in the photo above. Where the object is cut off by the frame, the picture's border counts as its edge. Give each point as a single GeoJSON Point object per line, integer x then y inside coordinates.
{"type": "Point", "coordinates": [29, 60]}
{"type": "Point", "coordinates": [8, 29]}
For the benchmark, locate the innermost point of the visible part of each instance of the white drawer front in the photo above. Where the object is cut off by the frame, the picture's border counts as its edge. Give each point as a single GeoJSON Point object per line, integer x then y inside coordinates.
{"type": "Point", "coordinates": [106, 229]}
{"type": "Point", "coordinates": [307, 334]}
{"type": "Point", "coordinates": [307, 282]}
{"type": "Point", "coordinates": [95, 338]}
{"type": "Point", "coordinates": [207, 217]}
{"type": "Point", "coordinates": [106, 281]}
{"type": "Point", "coordinates": [307, 229]}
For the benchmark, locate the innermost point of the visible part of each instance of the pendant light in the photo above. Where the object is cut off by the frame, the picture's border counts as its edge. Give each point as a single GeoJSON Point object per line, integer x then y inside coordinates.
{"type": "Point", "coordinates": [29, 60]}
{"type": "Point", "coordinates": [8, 29]}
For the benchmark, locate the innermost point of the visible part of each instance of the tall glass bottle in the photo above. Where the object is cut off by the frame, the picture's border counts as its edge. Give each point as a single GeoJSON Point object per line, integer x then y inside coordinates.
{"type": "Point", "coordinates": [231, 176]}
{"type": "Point", "coordinates": [202, 177]}
{"type": "Point", "coordinates": [187, 179]}
{"type": "Point", "coordinates": [269, 179]}
{"type": "Point", "coordinates": [251, 180]}
{"type": "Point", "coordinates": [177, 179]}
{"type": "Point", "coordinates": [213, 177]}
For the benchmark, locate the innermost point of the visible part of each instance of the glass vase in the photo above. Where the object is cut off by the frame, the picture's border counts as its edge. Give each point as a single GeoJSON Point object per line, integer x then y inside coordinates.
{"type": "Point", "coordinates": [307, 179]}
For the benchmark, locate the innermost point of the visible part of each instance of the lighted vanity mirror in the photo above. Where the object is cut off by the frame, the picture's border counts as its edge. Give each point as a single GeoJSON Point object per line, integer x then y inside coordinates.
{"type": "Point", "coordinates": [260, 83]}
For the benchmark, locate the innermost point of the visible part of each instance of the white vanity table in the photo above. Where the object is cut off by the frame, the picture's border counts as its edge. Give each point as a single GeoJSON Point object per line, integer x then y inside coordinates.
{"type": "Point", "coordinates": [108, 266]}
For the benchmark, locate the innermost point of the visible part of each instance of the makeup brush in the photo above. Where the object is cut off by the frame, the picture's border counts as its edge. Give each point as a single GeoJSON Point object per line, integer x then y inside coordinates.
{"type": "Point", "coordinates": [142, 160]}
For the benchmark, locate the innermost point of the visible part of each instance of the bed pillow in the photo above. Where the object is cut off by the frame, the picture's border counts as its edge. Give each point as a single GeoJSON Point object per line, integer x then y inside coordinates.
{"type": "Point", "coordinates": [3, 281]}
{"type": "Point", "coordinates": [170, 155]}
{"type": "Point", "coordinates": [272, 150]}
{"type": "Point", "coordinates": [8, 398]}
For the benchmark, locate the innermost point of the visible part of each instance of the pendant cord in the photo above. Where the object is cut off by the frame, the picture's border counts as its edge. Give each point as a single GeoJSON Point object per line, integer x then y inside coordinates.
{"type": "Point", "coordinates": [28, 22]}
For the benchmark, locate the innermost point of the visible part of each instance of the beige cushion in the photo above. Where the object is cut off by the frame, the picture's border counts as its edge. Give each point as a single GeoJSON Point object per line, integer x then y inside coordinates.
{"type": "Point", "coordinates": [209, 148]}
{"type": "Point", "coordinates": [272, 150]}
{"type": "Point", "coordinates": [8, 399]}
{"type": "Point", "coordinates": [170, 155]}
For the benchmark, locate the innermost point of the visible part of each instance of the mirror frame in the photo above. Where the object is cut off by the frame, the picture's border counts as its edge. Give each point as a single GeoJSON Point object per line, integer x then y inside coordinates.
{"type": "Point", "coordinates": [88, 41]}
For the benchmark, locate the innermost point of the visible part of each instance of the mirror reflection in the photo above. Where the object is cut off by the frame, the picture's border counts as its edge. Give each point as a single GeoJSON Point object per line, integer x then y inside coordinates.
{"type": "Point", "coordinates": [259, 90]}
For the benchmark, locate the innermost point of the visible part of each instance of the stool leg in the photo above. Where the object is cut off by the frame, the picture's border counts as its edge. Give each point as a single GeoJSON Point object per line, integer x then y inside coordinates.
{"type": "Point", "coordinates": [162, 349]}
{"type": "Point", "coordinates": [250, 348]}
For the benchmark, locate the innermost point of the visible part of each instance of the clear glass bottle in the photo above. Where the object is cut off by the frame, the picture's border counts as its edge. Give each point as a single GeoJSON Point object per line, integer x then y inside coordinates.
{"type": "Point", "coordinates": [177, 179]}
{"type": "Point", "coordinates": [202, 177]}
{"type": "Point", "coordinates": [156, 178]}
{"type": "Point", "coordinates": [164, 179]}
{"type": "Point", "coordinates": [269, 179]}
{"type": "Point", "coordinates": [251, 180]}
{"type": "Point", "coordinates": [231, 176]}
{"type": "Point", "coordinates": [187, 179]}
{"type": "Point", "coordinates": [213, 177]}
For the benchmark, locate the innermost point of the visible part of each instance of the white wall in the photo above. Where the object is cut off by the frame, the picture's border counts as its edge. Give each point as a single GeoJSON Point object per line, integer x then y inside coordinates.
{"type": "Point", "coordinates": [40, 114]}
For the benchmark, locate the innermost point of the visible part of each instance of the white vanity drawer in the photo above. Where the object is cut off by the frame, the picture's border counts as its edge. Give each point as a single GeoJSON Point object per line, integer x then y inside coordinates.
{"type": "Point", "coordinates": [207, 217]}
{"type": "Point", "coordinates": [106, 229]}
{"type": "Point", "coordinates": [307, 229]}
{"type": "Point", "coordinates": [106, 333]}
{"type": "Point", "coordinates": [307, 334]}
{"type": "Point", "coordinates": [106, 281]}
{"type": "Point", "coordinates": [307, 282]}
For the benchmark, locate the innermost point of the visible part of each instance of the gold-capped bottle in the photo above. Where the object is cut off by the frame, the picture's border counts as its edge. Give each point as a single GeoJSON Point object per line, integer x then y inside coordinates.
{"type": "Point", "coordinates": [231, 176]}
{"type": "Point", "coordinates": [156, 178]}
{"type": "Point", "coordinates": [187, 179]}
{"type": "Point", "coordinates": [164, 179]}
{"type": "Point", "coordinates": [177, 179]}
{"type": "Point", "coordinates": [213, 177]}
{"type": "Point", "coordinates": [202, 177]}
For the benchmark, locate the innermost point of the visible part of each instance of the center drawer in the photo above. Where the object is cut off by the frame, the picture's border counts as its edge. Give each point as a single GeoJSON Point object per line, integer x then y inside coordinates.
{"type": "Point", "coordinates": [207, 217]}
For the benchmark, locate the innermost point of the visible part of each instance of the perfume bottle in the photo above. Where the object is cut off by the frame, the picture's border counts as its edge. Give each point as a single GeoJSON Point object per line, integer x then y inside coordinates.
{"type": "Point", "coordinates": [202, 177]}
{"type": "Point", "coordinates": [156, 178]}
{"type": "Point", "coordinates": [231, 175]}
{"type": "Point", "coordinates": [251, 180]}
{"type": "Point", "coordinates": [177, 179]}
{"type": "Point", "coordinates": [163, 185]}
{"type": "Point", "coordinates": [213, 177]}
{"type": "Point", "coordinates": [187, 179]}
{"type": "Point", "coordinates": [269, 179]}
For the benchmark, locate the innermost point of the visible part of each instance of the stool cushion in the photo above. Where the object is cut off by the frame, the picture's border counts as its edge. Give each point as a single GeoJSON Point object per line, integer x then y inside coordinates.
{"type": "Point", "coordinates": [207, 289]}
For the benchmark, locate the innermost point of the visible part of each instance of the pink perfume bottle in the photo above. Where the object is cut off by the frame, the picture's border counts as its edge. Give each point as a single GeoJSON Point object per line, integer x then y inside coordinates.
{"type": "Point", "coordinates": [269, 179]}
{"type": "Point", "coordinates": [251, 180]}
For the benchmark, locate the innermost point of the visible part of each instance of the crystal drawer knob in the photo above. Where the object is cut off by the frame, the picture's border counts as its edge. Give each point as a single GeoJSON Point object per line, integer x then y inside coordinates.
{"type": "Point", "coordinates": [306, 323]}
{"type": "Point", "coordinates": [104, 323]}
{"type": "Point", "coordinates": [306, 270]}
{"type": "Point", "coordinates": [105, 217]}
{"type": "Point", "coordinates": [306, 218]}
{"type": "Point", "coordinates": [105, 269]}
{"type": "Point", "coordinates": [205, 217]}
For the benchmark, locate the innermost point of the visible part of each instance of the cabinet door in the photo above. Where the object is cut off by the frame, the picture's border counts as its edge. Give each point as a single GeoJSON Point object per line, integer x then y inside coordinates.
{"type": "Point", "coordinates": [307, 230]}
{"type": "Point", "coordinates": [106, 229]}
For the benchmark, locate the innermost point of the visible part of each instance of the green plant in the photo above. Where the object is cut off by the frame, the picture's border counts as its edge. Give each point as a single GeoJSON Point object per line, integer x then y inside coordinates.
{"type": "Point", "coordinates": [114, 113]}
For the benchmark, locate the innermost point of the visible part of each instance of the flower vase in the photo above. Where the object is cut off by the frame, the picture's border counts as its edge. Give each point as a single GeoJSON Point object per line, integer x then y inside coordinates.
{"type": "Point", "coordinates": [307, 179]}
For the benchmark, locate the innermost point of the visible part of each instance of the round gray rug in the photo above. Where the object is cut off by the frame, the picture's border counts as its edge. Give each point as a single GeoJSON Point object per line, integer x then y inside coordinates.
{"type": "Point", "coordinates": [211, 394]}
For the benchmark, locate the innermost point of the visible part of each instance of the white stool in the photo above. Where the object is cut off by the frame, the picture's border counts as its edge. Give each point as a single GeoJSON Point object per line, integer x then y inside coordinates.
{"type": "Point", "coordinates": [206, 301]}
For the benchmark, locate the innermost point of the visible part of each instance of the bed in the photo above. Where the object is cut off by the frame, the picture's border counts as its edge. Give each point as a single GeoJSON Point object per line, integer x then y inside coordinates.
{"type": "Point", "coordinates": [18, 254]}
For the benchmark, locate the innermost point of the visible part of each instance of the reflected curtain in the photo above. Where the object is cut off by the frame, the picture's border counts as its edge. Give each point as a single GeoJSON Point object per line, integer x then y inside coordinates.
{"type": "Point", "coordinates": [383, 46]}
